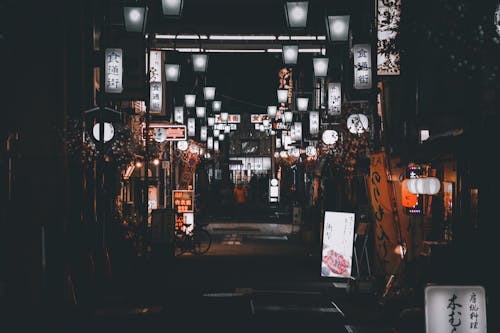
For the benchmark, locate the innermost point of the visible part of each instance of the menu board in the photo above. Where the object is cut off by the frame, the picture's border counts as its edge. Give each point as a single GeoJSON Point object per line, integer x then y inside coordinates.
{"type": "Point", "coordinates": [338, 239]}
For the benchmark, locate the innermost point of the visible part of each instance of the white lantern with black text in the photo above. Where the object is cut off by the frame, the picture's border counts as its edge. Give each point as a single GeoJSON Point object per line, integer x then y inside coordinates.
{"type": "Point", "coordinates": [190, 100]}
{"type": "Point", "coordinates": [337, 28]}
{"type": "Point", "coordinates": [221, 137]}
{"type": "Point", "coordinates": [320, 66]}
{"type": "Point", "coordinates": [109, 131]}
{"type": "Point", "coordinates": [182, 145]}
{"type": "Point", "coordinates": [179, 114]}
{"type": "Point", "coordinates": [297, 131]}
{"type": "Point", "coordinates": [290, 54]}
{"type": "Point", "coordinates": [357, 123]}
{"type": "Point", "coordinates": [329, 137]}
{"type": "Point", "coordinates": [210, 142]}
{"type": "Point", "coordinates": [311, 151]}
{"type": "Point", "coordinates": [211, 121]}
{"type": "Point", "coordinates": [200, 62]}
{"type": "Point", "coordinates": [191, 127]}
{"type": "Point", "coordinates": [203, 133]}
{"type": "Point", "coordinates": [288, 117]}
{"type": "Point", "coordinates": [172, 72]}
{"type": "Point", "coordinates": [296, 14]}
{"type": "Point", "coordinates": [209, 93]}
{"type": "Point", "coordinates": [314, 123]}
{"type": "Point", "coordinates": [216, 145]}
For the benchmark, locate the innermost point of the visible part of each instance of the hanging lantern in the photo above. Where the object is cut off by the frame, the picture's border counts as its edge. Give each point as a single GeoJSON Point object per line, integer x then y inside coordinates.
{"type": "Point", "coordinates": [172, 8]}
{"type": "Point", "coordinates": [201, 111]}
{"type": "Point", "coordinates": [329, 137]}
{"type": "Point", "coordinates": [203, 133]}
{"type": "Point", "coordinates": [227, 129]}
{"type": "Point", "coordinates": [209, 93]}
{"type": "Point", "coordinates": [320, 66]}
{"type": "Point", "coordinates": [179, 114]}
{"type": "Point", "coordinates": [282, 95]}
{"type": "Point", "coordinates": [200, 62]}
{"type": "Point", "coordinates": [296, 14]}
{"type": "Point", "coordinates": [109, 131]}
{"type": "Point", "coordinates": [337, 28]}
{"type": "Point", "coordinates": [314, 123]}
{"type": "Point", "coordinates": [182, 145]}
{"type": "Point", "coordinates": [288, 117]}
{"type": "Point", "coordinates": [211, 121]}
{"type": "Point", "coordinates": [216, 145]}
{"type": "Point", "coordinates": [290, 54]}
{"type": "Point", "coordinates": [216, 106]}
{"type": "Point", "coordinates": [172, 72]}
{"type": "Point", "coordinates": [311, 151]}
{"type": "Point", "coordinates": [271, 111]}
{"type": "Point", "coordinates": [221, 137]}
{"type": "Point", "coordinates": [216, 132]}
{"type": "Point", "coordinates": [424, 185]}
{"type": "Point", "coordinates": [302, 103]}
{"type": "Point", "coordinates": [297, 131]}
{"type": "Point", "coordinates": [135, 18]}
{"type": "Point", "coordinates": [357, 123]}
{"type": "Point", "coordinates": [191, 127]}
{"type": "Point", "coordinates": [210, 142]}
{"type": "Point", "coordinates": [190, 100]}
{"type": "Point", "coordinates": [334, 98]}
{"type": "Point", "coordinates": [160, 134]}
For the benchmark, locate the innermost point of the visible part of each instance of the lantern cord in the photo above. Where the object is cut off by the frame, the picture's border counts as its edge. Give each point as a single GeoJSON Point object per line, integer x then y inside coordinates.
{"type": "Point", "coordinates": [244, 102]}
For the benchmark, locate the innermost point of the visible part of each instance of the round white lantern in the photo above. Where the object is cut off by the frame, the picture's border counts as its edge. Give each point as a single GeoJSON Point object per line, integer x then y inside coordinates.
{"type": "Point", "coordinates": [311, 151]}
{"type": "Point", "coordinates": [182, 145]}
{"type": "Point", "coordinates": [329, 137]}
{"type": "Point", "coordinates": [109, 131]}
{"type": "Point", "coordinates": [357, 123]}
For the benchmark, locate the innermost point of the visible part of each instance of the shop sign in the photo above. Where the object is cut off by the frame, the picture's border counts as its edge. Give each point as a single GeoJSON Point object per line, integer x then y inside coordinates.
{"type": "Point", "coordinates": [183, 201]}
{"type": "Point", "coordinates": [458, 309]}
{"type": "Point", "coordinates": [334, 98]}
{"type": "Point", "coordinates": [114, 71]}
{"type": "Point", "coordinates": [338, 240]}
{"type": "Point", "coordinates": [388, 22]}
{"type": "Point", "coordinates": [155, 81]}
{"type": "Point", "coordinates": [362, 66]}
{"type": "Point", "coordinates": [258, 118]}
{"type": "Point", "coordinates": [231, 119]}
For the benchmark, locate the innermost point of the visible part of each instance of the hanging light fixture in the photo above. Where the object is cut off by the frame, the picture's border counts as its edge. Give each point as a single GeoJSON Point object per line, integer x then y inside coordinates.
{"type": "Point", "coordinates": [221, 137]}
{"type": "Point", "coordinates": [296, 14]}
{"type": "Point", "coordinates": [337, 28]}
{"type": "Point", "coordinates": [302, 103]}
{"type": "Point", "coordinates": [172, 8]}
{"type": "Point", "coordinates": [210, 142]}
{"type": "Point", "coordinates": [201, 111]}
{"type": "Point", "coordinates": [172, 72]}
{"type": "Point", "coordinates": [288, 117]}
{"type": "Point", "coordinates": [216, 132]}
{"type": "Point", "coordinates": [209, 93]}
{"type": "Point", "coordinates": [282, 95]}
{"type": "Point", "coordinates": [216, 145]}
{"type": "Point", "coordinates": [135, 18]}
{"type": "Point", "coordinates": [290, 54]}
{"type": "Point", "coordinates": [320, 65]}
{"type": "Point", "coordinates": [211, 121]}
{"type": "Point", "coordinates": [200, 62]}
{"type": "Point", "coordinates": [216, 106]}
{"type": "Point", "coordinates": [203, 133]}
{"type": "Point", "coordinates": [190, 100]}
{"type": "Point", "coordinates": [357, 123]}
{"type": "Point", "coordinates": [179, 114]}
{"type": "Point", "coordinates": [109, 131]}
{"type": "Point", "coordinates": [227, 129]}
{"type": "Point", "coordinates": [271, 110]}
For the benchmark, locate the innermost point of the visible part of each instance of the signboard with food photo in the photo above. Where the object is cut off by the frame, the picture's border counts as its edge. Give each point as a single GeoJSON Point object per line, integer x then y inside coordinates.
{"type": "Point", "coordinates": [338, 238]}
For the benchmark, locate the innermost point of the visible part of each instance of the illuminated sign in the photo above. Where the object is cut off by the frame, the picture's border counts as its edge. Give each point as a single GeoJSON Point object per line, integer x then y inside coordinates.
{"type": "Point", "coordinates": [166, 132]}
{"type": "Point", "coordinates": [155, 81]}
{"type": "Point", "coordinates": [460, 309]}
{"type": "Point", "coordinates": [191, 126]}
{"type": "Point", "coordinates": [314, 123]}
{"type": "Point", "coordinates": [334, 98]}
{"type": "Point", "coordinates": [183, 201]}
{"type": "Point", "coordinates": [338, 238]}
{"type": "Point", "coordinates": [388, 20]}
{"type": "Point", "coordinates": [362, 66]}
{"type": "Point", "coordinates": [231, 119]}
{"type": "Point", "coordinates": [258, 118]}
{"type": "Point", "coordinates": [114, 71]}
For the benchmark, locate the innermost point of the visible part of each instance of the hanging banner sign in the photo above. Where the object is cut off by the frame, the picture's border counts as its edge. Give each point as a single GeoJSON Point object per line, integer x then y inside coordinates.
{"type": "Point", "coordinates": [186, 179]}
{"type": "Point", "coordinates": [114, 71]}
{"type": "Point", "coordinates": [388, 22]}
{"type": "Point", "coordinates": [231, 119]}
{"type": "Point", "coordinates": [155, 82]}
{"type": "Point", "coordinates": [386, 238]}
{"type": "Point", "coordinates": [334, 98]}
{"type": "Point", "coordinates": [258, 118]}
{"type": "Point", "coordinates": [168, 132]}
{"type": "Point", "coordinates": [459, 309]}
{"type": "Point", "coordinates": [362, 66]}
{"type": "Point", "coordinates": [338, 240]}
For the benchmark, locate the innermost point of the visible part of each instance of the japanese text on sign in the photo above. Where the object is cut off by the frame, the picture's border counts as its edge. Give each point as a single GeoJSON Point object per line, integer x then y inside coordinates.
{"type": "Point", "coordinates": [183, 201]}
{"type": "Point", "coordinates": [114, 70]}
{"type": "Point", "coordinates": [362, 66]}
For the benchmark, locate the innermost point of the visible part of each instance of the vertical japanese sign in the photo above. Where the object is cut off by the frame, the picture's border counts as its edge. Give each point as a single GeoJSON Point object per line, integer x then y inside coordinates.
{"type": "Point", "coordinates": [386, 238]}
{"type": "Point", "coordinates": [191, 125]}
{"type": "Point", "coordinates": [155, 82]}
{"type": "Point", "coordinates": [179, 114]}
{"type": "Point", "coordinates": [186, 179]}
{"type": "Point", "coordinates": [388, 21]}
{"type": "Point", "coordinates": [362, 66]}
{"type": "Point", "coordinates": [334, 98]}
{"type": "Point", "coordinates": [460, 309]}
{"type": "Point", "coordinates": [114, 71]}
{"type": "Point", "coordinates": [314, 123]}
{"type": "Point", "coordinates": [286, 82]}
{"type": "Point", "coordinates": [338, 239]}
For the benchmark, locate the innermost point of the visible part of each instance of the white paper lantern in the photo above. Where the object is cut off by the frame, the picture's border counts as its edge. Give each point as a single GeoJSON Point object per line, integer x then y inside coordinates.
{"type": "Point", "coordinates": [329, 137]}
{"type": "Point", "coordinates": [288, 117]}
{"type": "Point", "coordinates": [209, 93]}
{"type": "Point", "coordinates": [216, 106]}
{"type": "Point", "coordinates": [320, 66]}
{"type": "Point", "coordinates": [271, 111]}
{"type": "Point", "coordinates": [190, 100]}
{"type": "Point", "coordinates": [182, 145]}
{"type": "Point", "coordinates": [211, 121]}
{"type": "Point", "coordinates": [290, 54]}
{"type": "Point", "coordinates": [200, 111]}
{"type": "Point", "coordinates": [282, 95]}
{"type": "Point", "coordinates": [172, 72]}
{"type": "Point", "coordinates": [302, 103]}
{"type": "Point", "coordinates": [357, 123]}
{"type": "Point", "coordinates": [200, 62]}
{"type": "Point", "coordinates": [109, 131]}
{"type": "Point", "coordinates": [296, 14]}
{"type": "Point", "coordinates": [311, 151]}
{"type": "Point", "coordinates": [221, 137]}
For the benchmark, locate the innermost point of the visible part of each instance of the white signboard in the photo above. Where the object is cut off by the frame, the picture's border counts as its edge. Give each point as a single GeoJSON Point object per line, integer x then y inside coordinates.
{"type": "Point", "coordinates": [388, 21]}
{"type": "Point", "coordinates": [314, 122]}
{"type": "Point", "coordinates": [338, 239]}
{"type": "Point", "coordinates": [179, 114]}
{"type": "Point", "coordinates": [231, 119]}
{"type": "Point", "coordinates": [114, 71]}
{"type": "Point", "coordinates": [334, 98]}
{"type": "Point", "coordinates": [155, 82]}
{"type": "Point", "coordinates": [362, 66]}
{"type": "Point", "coordinates": [458, 309]}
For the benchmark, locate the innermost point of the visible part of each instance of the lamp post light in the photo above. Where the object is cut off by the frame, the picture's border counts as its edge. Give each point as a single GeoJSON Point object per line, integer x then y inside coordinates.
{"type": "Point", "coordinates": [296, 14]}
{"type": "Point", "coordinates": [337, 28]}
{"type": "Point", "coordinates": [190, 100]}
{"type": "Point", "coordinates": [201, 111]}
{"type": "Point", "coordinates": [290, 54]}
{"type": "Point", "coordinates": [216, 106]}
{"type": "Point", "coordinates": [172, 8]}
{"type": "Point", "coordinates": [135, 18]}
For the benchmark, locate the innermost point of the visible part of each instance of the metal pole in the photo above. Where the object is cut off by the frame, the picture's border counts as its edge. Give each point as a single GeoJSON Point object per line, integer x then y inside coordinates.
{"type": "Point", "coordinates": [146, 146]}
{"type": "Point", "coordinates": [100, 160]}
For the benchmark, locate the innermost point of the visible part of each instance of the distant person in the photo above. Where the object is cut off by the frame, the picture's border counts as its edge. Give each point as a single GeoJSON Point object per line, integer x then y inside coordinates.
{"type": "Point", "coordinates": [240, 197]}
